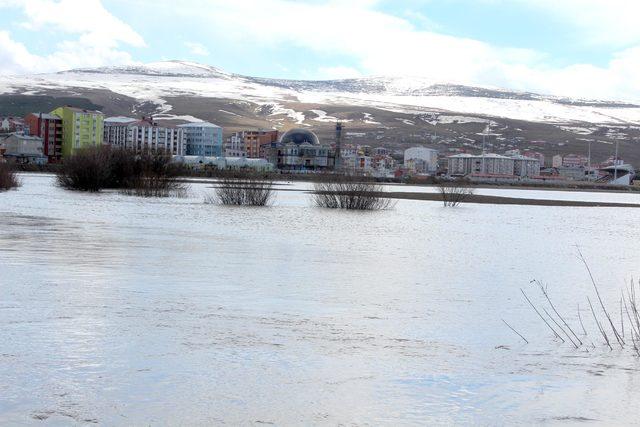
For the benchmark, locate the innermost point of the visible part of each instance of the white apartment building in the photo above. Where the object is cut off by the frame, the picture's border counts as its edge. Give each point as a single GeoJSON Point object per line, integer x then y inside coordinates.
{"type": "Point", "coordinates": [143, 135]}
{"type": "Point", "coordinates": [421, 159]}
{"type": "Point", "coordinates": [526, 166]}
{"type": "Point", "coordinates": [235, 146]}
{"type": "Point", "coordinates": [203, 139]}
{"type": "Point", "coordinates": [493, 164]}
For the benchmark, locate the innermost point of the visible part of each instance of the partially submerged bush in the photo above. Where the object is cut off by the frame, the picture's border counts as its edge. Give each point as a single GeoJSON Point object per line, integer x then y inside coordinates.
{"type": "Point", "coordinates": [155, 176]}
{"type": "Point", "coordinates": [248, 191]}
{"type": "Point", "coordinates": [349, 193]}
{"type": "Point", "coordinates": [151, 174]}
{"type": "Point", "coordinates": [8, 177]}
{"type": "Point", "coordinates": [87, 170]}
{"type": "Point", "coordinates": [454, 193]}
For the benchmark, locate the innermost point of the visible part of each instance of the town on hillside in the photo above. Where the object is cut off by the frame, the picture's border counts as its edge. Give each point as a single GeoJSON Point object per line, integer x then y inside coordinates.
{"type": "Point", "coordinates": [47, 138]}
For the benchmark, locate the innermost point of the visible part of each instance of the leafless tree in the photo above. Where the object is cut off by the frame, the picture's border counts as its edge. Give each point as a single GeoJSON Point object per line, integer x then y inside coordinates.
{"type": "Point", "coordinates": [247, 191]}
{"type": "Point", "coordinates": [351, 193]}
{"type": "Point", "coordinates": [454, 193]}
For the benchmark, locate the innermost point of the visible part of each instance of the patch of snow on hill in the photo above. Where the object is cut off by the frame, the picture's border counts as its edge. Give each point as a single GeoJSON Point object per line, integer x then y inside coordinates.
{"type": "Point", "coordinates": [406, 122]}
{"type": "Point", "coordinates": [447, 120]}
{"type": "Point", "coordinates": [158, 81]}
{"type": "Point", "coordinates": [185, 118]}
{"type": "Point", "coordinates": [279, 110]}
{"type": "Point", "coordinates": [323, 117]}
{"type": "Point", "coordinates": [368, 119]}
{"type": "Point", "coordinates": [577, 130]}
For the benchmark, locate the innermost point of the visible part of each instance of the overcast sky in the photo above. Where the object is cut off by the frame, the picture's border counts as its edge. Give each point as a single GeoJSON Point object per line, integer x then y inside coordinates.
{"type": "Point", "coordinates": [584, 48]}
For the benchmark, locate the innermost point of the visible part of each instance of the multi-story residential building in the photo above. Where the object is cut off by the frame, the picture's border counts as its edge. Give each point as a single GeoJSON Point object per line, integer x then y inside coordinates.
{"type": "Point", "coordinates": [20, 148]}
{"type": "Point", "coordinates": [384, 163]}
{"type": "Point", "coordinates": [203, 139]}
{"type": "Point", "coordinates": [574, 161]}
{"type": "Point", "coordinates": [144, 135]}
{"type": "Point", "coordinates": [49, 128]}
{"type": "Point", "coordinates": [421, 159]}
{"type": "Point", "coordinates": [252, 144]}
{"type": "Point", "coordinates": [80, 128]}
{"type": "Point", "coordinates": [380, 151]}
{"type": "Point", "coordinates": [257, 143]}
{"type": "Point", "coordinates": [526, 166]}
{"type": "Point", "coordinates": [234, 146]}
{"type": "Point", "coordinates": [11, 124]}
{"type": "Point", "coordinates": [364, 164]}
{"type": "Point", "coordinates": [494, 165]}
{"type": "Point", "coordinates": [535, 155]}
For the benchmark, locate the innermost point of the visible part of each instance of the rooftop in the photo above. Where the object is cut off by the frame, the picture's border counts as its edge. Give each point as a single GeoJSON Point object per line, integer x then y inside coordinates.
{"type": "Point", "coordinates": [81, 110]}
{"type": "Point", "coordinates": [199, 125]}
{"type": "Point", "coordinates": [120, 119]}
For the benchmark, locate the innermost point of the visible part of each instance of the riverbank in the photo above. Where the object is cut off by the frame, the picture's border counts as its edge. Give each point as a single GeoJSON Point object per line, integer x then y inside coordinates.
{"type": "Point", "coordinates": [195, 176]}
{"type": "Point", "coordinates": [499, 200]}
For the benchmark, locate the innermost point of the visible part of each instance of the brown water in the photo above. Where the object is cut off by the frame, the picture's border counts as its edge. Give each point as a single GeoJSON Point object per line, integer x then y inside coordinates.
{"type": "Point", "coordinates": [124, 311]}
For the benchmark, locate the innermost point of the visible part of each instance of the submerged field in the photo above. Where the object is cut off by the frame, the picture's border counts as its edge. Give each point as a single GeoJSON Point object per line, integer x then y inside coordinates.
{"type": "Point", "coordinates": [129, 311]}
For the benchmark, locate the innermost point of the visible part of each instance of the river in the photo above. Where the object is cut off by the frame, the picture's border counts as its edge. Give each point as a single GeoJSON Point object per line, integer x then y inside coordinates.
{"type": "Point", "coordinates": [119, 310]}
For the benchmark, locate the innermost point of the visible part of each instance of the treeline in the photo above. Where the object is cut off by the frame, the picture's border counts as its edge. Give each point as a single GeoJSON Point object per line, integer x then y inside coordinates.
{"type": "Point", "coordinates": [150, 174]}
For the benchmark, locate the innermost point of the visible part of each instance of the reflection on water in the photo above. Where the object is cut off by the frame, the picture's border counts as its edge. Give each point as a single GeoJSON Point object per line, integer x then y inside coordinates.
{"type": "Point", "coordinates": [125, 311]}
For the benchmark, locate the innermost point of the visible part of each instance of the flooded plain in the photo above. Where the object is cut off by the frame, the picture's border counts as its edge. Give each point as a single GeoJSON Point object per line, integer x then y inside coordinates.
{"type": "Point", "coordinates": [117, 310]}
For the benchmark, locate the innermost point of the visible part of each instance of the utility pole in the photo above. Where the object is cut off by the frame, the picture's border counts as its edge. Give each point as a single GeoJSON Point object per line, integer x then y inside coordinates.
{"type": "Point", "coordinates": [589, 162]}
{"type": "Point", "coordinates": [615, 163]}
{"type": "Point", "coordinates": [484, 140]}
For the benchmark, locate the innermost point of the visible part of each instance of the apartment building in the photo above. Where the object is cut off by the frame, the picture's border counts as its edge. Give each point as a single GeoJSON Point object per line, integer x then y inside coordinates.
{"type": "Point", "coordinates": [80, 128]}
{"type": "Point", "coordinates": [144, 135]}
{"type": "Point", "coordinates": [203, 139]}
{"type": "Point", "coordinates": [48, 127]}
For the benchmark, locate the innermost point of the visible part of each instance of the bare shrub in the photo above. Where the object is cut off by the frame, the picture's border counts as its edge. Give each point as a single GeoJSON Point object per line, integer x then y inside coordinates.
{"type": "Point", "coordinates": [87, 170]}
{"type": "Point", "coordinates": [454, 193]}
{"type": "Point", "coordinates": [155, 175]}
{"type": "Point", "coordinates": [151, 174]}
{"type": "Point", "coordinates": [247, 191]}
{"type": "Point", "coordinates": [618, 326]}
{"type": "Point", "coordinates": [8, 177]}
{"type": "Point", "coordinates": [349, 193]}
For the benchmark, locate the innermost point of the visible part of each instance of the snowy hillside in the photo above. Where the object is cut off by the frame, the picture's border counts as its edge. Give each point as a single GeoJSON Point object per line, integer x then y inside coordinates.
{"type": "Point", "coordinates": [155, 82]}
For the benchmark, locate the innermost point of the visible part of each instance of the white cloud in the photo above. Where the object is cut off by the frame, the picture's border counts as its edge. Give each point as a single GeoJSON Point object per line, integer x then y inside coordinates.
{"type": "Point", "coordinates": [97, 36]}
{"type": "Point", "coordinates": [14, 56]}
{"type": "Point", "coordinates": [370, 41]}
{"type": "Point", "coordinates": [382, 44]}
{"type": "Point", "coordinates": [197, 49]}
{"type": "Point", "coordinates": [601, 22]}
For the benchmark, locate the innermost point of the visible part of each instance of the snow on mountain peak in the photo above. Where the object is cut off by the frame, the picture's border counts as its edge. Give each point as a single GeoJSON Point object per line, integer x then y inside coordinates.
{"type": "Point", "coordinates": [160, 68]}
{"type": "Point", "coordinates": [156, 81]}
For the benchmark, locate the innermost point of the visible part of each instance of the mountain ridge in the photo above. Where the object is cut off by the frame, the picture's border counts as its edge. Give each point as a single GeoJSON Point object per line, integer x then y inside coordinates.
{"type": "Point", "coordinates": [376, 110]}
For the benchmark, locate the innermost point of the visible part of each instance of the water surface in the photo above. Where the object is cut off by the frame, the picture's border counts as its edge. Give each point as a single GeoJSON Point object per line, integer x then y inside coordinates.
{"type": "Point", "coordinates": [119, 310]}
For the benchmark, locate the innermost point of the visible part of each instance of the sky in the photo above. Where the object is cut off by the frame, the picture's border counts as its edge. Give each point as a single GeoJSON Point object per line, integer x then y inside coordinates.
{"type": "Point", "coordinates": [578, 48]}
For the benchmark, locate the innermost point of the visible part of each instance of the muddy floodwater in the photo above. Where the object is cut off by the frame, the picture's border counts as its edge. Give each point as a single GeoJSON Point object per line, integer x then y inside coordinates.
{"type": "Point", "coordinates": [117, 310]}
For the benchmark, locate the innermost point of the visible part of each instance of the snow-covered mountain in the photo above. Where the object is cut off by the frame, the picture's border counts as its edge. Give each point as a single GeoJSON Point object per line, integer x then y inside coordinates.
{"type": "Point", "coordinates": [157, 82]}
